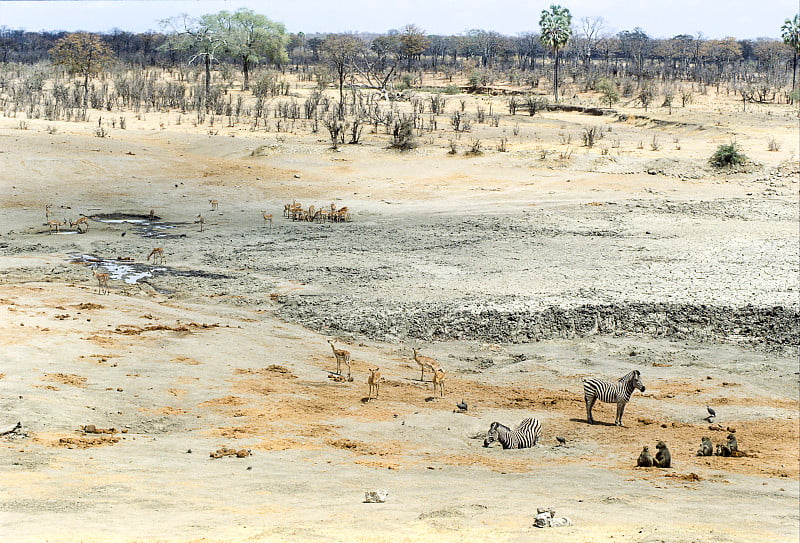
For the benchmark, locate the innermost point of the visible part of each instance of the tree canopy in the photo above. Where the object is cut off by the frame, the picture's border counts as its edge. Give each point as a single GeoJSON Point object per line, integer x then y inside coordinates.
{"type": "Point", "coordinates": [250, 37]}
{"type": "Point", "coordinates": [82, 53]}
{"type": "Point", "coordinates": [556, 27]}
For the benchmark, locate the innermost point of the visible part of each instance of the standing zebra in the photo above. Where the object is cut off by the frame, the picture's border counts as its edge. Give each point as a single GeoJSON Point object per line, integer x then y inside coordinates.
{"type": "Point", "coordinates": [526, 434]}
{"type": "Point", "coordinates": [607, 392]}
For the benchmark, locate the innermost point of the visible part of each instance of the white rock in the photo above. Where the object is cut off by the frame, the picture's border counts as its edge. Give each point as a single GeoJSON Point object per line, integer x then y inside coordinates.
{"type": "Point", "coordinates": [375, 496]}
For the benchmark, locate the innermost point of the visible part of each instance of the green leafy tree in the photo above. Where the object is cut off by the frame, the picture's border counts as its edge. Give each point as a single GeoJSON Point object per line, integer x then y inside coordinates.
{"type": "Point", "coordinates": [790, 32]}
{"type": "Point", "coordinates": [250, 37]}
{"type": "Point", "coordinates": [196, 37]}
{"type": "Point", "coordinates": [556, 27]}
{"type": "Point", "coordinates": [83, 54]}
{"type": "Point", "coordinates": [609, 91]}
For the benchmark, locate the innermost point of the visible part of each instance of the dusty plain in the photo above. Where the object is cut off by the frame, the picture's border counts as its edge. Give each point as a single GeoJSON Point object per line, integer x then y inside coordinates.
{"type": "Point", "coordinates": [520, 271]}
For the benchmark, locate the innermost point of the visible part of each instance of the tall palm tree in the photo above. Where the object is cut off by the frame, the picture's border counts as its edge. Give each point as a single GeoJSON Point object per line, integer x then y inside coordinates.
{"type": "Point", "coordinates": [790, 32]}
{"type": "Point", "coordinates": [556, 26]}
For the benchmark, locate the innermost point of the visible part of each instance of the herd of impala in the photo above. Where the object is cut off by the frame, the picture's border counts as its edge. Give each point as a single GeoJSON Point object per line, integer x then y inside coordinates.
{"type": "Point", "coordinates": [375, 378]}
{"type": "Point", "coordinates": [293, 210]}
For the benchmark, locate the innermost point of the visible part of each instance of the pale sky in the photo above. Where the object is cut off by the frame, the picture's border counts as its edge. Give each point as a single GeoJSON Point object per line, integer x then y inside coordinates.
{"type": "Point", "coordinates": [659, 19]}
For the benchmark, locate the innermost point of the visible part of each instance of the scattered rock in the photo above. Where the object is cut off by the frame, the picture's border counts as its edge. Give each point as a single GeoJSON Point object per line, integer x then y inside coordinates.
{"type": "Point", "coordinates": [546, 518]}
{"type": "Point", "coordinates": [375, 496]}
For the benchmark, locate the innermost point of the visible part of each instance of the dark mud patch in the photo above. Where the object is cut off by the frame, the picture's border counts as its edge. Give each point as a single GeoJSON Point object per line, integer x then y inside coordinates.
{"type": "Point", "coordinates": [771, 328]}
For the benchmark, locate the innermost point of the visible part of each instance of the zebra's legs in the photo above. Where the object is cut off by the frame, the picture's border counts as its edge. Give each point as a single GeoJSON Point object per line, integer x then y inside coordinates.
{"type": "Point", "coordinates": [620, 410]}
{"type": "Point", "coordinates": [589, 404]}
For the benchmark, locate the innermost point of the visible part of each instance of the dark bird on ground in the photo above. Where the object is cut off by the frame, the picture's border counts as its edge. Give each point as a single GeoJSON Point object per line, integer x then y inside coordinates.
{"type": "Point", "coordinates": [711, 415]}
{"type": "Point", "coordinates": [123, 234]}
{"type": "Point", "coordinates": [461, 405]}
{"type": "Point", "coordinates": [561, 440]}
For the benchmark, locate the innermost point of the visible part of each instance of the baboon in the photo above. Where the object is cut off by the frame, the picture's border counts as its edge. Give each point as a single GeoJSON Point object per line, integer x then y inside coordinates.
{"type": "Point", "coordinates": [733, 444]}
{"type": "Point", "coordinates": [663, 459]}
{"type": "Point", "coordinates": [645, 459]}
{"type": "Point", "coordinates": [706, 447]}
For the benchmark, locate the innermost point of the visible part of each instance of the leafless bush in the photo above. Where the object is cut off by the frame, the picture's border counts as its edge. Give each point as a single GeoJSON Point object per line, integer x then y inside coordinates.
{"type": "Point", "coordinates": [512, 105]}
{"type": "Point", "coordinates": [336, 128]}
{"type": "Point", "coordinates": [403, 134]}
{"type": "Point", "coordinates": [502, 145]}
{"type": "Point", "coordinates": [437, 104]}
{"type": "Point", "coordinates": [453, 147]}
{"type": "Point", "coordinates": [655, 145]}
{"type": "Point", "coordinates": [773, 145]}
{"type": "Point", "coordinates": [515, 130]}
{"type": "Point", "coordinates": [480, 114]}
{"type": "Point", "coordinates": [590, 135]}
{"type": "Point", "coordinates": [475, 147]}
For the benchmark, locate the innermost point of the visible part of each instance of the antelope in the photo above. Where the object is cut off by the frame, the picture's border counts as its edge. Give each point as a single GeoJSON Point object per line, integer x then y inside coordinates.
{"type": "Point", "coordinates": [77, 224]}
{"type": "Point", "coordinates": [374, 381]}
{"type": "Point", "coordinates": [342, 357]}
{"type": "Point", "coordinates": [426, 362]}
{"type": "Point", "coordinates": [102, 281]}
{"type": "Point", "coordinates": [214, 204]}
{"type": "Point", "coordinates": [56, 224]}
{"type": "Point", "coordinates": [157, 254]}
{"type": "Point", "coordinates": [267, 218]}
{"type": "Point", "coordinates": [200, 220]}
{"type": "Point", "coordinates": [438, 382]}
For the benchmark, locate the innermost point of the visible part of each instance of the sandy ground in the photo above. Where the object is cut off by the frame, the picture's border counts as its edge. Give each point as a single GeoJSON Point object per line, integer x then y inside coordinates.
{"type": "Point", "coordinates": [225, 345]}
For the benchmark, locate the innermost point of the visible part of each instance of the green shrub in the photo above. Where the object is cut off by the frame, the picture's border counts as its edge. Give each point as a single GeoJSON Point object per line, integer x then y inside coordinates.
{"type": "Point", "coordinates": [726, 155]}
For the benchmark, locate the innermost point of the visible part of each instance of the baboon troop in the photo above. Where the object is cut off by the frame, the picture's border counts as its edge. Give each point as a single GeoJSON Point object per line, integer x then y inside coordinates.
{"type": "Point", "coordinates": [663, 459]}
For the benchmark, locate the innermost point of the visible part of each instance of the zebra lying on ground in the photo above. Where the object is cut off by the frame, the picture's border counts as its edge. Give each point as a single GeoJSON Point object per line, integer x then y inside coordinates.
{"type": "Point", "coordinates": [524, 436]}
{"type": "Point", "coordinates": [607, 392]}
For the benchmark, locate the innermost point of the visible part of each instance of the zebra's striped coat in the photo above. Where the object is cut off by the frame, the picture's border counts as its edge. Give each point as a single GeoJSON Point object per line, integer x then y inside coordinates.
{"type": "Point", "coordinates": [524, 436]}
{"type": "Point", "coordinates": [608, 392]}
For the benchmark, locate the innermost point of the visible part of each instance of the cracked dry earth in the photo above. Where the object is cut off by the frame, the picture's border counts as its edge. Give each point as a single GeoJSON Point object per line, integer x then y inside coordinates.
{"type": "Point", "coordinates": [519, 278]}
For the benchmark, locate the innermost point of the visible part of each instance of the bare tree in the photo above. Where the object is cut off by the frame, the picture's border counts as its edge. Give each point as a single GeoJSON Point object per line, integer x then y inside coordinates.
{"type": "Point", "coordinates": [340, 51]}
{"type": "Point", "coordinates": [591, 31]}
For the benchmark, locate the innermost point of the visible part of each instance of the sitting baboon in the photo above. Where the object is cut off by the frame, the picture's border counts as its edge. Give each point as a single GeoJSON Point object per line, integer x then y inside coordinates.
{"type": "Point", "coordinates": [663, 459]}
{"type": "Point", "coordinates": [722, 450]}
{"type": "Point", "coordinates": [645, 459]}
{"type": "Point", "coordinates": [706, 448]}
{"type": "Point", "coordinates": [733, 444]}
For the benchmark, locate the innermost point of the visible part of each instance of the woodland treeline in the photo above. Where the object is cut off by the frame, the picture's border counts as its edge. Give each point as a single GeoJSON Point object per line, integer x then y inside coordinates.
{"type": "Point", "coordinates": [590, 51]}
{"type": "Point", "coordinates": [355, 80]}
